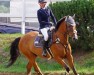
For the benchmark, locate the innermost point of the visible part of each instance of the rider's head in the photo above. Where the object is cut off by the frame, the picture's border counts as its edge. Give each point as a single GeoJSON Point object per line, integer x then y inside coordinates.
{"type": "Point", "coordinates": [42, 3]}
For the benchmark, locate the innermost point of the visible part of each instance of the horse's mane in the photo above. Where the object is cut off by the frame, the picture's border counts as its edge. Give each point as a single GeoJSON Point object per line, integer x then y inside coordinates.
{"type": "Point", "coordinates": [59, 22]}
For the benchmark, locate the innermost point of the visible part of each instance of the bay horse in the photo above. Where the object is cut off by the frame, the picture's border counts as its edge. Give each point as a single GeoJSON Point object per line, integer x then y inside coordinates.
{"type": "Point", "coordinates": [60, 48]}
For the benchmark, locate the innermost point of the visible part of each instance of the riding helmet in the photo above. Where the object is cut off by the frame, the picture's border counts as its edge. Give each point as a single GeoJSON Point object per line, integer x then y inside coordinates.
{"type": "Point", "coordinates": [42, 1]}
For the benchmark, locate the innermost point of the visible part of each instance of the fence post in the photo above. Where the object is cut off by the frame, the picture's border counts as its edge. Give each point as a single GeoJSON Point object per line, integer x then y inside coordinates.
{"type": "Point", "coordinates": [23, 17]}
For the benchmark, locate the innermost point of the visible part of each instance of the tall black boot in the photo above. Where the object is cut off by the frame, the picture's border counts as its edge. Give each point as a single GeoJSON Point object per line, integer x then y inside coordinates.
{"type": "Point", "coordinates": [49, 51]}
{"type": "Point", "coordinates": [44, 48]}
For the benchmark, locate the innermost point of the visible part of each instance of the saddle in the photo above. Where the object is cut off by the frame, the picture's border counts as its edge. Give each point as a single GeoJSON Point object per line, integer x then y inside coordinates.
{"type": "Point", "coordinates": [40, 39]}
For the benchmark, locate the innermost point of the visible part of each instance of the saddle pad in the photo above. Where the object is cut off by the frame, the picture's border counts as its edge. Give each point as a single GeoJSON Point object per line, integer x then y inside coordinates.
{"type": "Point", "coordinates": [38, 41]}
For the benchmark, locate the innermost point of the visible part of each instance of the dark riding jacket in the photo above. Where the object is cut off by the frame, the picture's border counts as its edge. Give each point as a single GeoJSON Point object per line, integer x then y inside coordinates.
{"type": "Point", "coordinates": [44, 17]}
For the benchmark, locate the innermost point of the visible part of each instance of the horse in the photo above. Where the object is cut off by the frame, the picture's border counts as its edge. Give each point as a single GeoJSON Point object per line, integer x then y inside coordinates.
{"type": "Point", "coordinates": [60, 47]}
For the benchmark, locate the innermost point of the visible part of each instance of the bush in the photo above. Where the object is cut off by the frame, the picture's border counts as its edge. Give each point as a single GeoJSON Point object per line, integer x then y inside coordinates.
{"type": "Point", "coordinates": [84, 10]}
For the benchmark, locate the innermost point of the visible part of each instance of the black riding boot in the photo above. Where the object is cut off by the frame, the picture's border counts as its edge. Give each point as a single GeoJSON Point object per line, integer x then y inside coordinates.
{"type": "Point", "coordinates": [44, 48]}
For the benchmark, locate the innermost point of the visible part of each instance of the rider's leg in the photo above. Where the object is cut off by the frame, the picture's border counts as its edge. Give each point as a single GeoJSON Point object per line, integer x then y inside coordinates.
{"type": "Point", "coordinates": [45, 44]}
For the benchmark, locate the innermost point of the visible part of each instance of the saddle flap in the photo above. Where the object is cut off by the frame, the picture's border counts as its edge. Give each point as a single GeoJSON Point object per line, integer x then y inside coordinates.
{"type": "Point", "coordinates": [39, 39]}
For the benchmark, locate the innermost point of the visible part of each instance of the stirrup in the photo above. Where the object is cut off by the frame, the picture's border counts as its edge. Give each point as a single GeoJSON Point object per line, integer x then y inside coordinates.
{"type": "Point", "coordinates": [44, 54]}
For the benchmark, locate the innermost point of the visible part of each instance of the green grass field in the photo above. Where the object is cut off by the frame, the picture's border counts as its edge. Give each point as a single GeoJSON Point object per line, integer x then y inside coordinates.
{"type": "Point", "coordinates": [84, 62]}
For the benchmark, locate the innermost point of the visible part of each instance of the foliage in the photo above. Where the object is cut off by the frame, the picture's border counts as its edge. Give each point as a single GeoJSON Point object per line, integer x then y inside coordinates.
{"type": "Point", "coordinates": [4, 9]}
{"type": "Point", "coordinates": [4, 6]}
{"type": "Point", "coordinates": [84, 11]}
{"type": "Point", "coordinates": [6, 39]}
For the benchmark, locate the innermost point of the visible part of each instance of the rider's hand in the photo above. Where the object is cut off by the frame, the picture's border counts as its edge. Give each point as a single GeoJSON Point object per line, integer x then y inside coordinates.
{"type": "Point", "coordinates": [52, 27]}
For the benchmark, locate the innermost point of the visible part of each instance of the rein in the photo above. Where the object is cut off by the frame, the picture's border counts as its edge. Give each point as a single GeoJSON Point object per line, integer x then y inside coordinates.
{"type": "Point", "coordinates": [57, 41]}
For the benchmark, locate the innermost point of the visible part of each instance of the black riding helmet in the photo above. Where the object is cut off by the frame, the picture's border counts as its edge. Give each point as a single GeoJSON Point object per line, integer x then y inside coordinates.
{"type": "Point", "coordinates": [42, 1]}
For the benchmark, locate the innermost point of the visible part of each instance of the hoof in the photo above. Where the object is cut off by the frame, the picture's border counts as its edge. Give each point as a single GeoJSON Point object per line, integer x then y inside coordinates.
{"type": "Point", "coordinates": [44, 55]}
{"type": "Point", "coordinates": [66, 73]}
{"type": "Point", "coordinates": [67, 69]}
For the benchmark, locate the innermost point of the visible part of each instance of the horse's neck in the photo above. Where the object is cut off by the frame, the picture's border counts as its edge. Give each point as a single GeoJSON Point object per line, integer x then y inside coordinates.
{"type": "Point", "coordinates": [62, 33]}
{"type": "Point", "coordinates": [62, 28]}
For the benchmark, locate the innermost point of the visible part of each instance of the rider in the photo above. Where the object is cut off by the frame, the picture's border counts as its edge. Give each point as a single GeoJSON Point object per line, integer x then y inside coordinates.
{"type": "Point", "coordinates": [44, 14]}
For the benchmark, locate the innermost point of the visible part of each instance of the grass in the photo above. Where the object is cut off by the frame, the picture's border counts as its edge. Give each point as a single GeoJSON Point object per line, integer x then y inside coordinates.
{"type": "Point", "coordinates": [6, 39]}
{"type": "Point", "coordinates": [84, 63]}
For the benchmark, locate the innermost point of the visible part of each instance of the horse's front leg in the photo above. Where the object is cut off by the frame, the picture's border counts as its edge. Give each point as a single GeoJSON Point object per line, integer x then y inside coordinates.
{"type": "Point", "coordinates": [60, 61]}
{"type": "Point", "coordinates": [71, 63]}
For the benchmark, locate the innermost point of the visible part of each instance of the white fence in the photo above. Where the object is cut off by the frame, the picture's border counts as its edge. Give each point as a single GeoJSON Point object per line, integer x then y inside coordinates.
{"type": "Point", "coordinates": [23, 11]}
{"type": "Point", "coordinates": [28, 8]}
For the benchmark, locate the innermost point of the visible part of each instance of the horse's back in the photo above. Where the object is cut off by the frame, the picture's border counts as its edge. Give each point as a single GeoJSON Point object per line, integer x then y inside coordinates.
{"type": "Point", "coordinates": [27, 40]}
{"type": "Point", "coordinates": [29, 36]}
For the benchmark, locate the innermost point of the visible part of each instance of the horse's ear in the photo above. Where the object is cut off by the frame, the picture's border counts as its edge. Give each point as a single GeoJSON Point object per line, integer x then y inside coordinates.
{"type": "Point", "coordinates": [66, 18]}
{"type": "Point", "coordinates": [74, 16]}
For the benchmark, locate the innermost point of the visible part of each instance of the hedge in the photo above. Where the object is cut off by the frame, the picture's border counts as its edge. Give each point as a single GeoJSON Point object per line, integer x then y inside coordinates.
{"type": "Point", "coordinates": [84, 11]}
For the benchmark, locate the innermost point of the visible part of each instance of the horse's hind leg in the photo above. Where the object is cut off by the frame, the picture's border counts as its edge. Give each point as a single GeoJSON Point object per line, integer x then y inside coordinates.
{"type": "Point", "coordinates": [32, 63]}
{"type": "Point", "coordinates": [37, 69]}
{"type": "Point", "coordinates": [29, 66]}
{"type": "Point", "coordinates": [60, 61]}
{"type": "Point", "coordinates": [31, 57]}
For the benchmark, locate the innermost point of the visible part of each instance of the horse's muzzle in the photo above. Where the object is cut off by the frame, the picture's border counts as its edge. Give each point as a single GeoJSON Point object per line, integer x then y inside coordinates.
{"type": "Point", "coordinates": [75, 37]}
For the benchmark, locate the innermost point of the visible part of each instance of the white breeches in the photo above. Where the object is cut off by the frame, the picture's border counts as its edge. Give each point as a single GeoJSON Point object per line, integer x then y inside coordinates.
{"type": "Point", "coordinates": [44, 33]}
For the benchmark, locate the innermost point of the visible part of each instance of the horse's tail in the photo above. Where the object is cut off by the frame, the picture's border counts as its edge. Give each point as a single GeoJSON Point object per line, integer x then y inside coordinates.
{"type": "Point", "coordinates": [14, 52]}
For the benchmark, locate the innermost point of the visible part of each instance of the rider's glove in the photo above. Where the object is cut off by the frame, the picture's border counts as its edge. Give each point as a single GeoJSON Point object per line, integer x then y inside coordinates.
{"type": "Point", "coordinates": [52, 28]}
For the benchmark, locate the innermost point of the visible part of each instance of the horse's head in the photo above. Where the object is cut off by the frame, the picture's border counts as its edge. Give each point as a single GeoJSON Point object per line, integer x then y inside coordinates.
{"type": "Point", "coordinates": [71, 27]}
